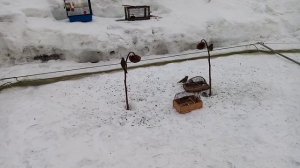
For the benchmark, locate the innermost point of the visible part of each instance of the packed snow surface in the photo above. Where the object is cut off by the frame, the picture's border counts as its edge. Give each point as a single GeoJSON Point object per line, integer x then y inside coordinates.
{"type": "Point", "coordinates": [36, 27]}
{"type": "Point", "coordinates": [251, 121]}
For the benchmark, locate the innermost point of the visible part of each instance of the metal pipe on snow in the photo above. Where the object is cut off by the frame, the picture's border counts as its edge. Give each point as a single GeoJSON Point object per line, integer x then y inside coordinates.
{"type": "Point", "coordinates": [16, 78]}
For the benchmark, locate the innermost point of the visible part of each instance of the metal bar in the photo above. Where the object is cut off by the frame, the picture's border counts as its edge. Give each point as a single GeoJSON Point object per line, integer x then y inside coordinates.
{"type": "Point", "coordinates": [90, 6]}
{"type": "Point", "coordinates": [42, 81]}
{"type": "Point", "coordinates": [126, 14]}
{"type": "Point", "coordinates": [107, 65]}
{"type": "Point", "coordinates": [149, 59]}
{"type": "Point", "coordinates": [275, 52]}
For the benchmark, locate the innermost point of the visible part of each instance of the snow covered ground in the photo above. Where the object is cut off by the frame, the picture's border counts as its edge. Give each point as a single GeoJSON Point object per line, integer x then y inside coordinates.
{"type": "Point", "coordinates": [35, 27]}
{"type": "Point", "coordinates": [251, 121]}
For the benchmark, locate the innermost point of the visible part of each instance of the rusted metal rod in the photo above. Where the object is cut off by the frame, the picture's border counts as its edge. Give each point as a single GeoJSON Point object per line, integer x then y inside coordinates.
{"type": "Point", "coordinates": [275, 52]}
{"type": "Point", "coordinates": [133, 58]}
{"type": "Point", "coordinates": [209, 66]}
{"type": "Point", "coordinates": [125, 83]}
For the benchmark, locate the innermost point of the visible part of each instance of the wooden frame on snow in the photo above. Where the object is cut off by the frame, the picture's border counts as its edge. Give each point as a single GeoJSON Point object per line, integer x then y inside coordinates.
{"type": "Point", "coordinates": [133, 13]}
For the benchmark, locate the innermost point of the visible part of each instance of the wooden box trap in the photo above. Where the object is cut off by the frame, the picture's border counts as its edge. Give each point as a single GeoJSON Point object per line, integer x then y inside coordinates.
{"type": "Point", "coordinates": [186, 102]}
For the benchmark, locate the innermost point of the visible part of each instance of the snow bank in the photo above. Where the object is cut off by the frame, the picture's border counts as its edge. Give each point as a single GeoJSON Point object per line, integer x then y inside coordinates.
{"type": "Point", "coordinates": [36, 27]}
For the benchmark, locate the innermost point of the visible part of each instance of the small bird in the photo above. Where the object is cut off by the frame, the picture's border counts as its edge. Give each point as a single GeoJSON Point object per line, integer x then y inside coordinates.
{"type": "Point", "coordinates": [184, 80]}
{"type": "Point", "coordinates": [210, 47]}
{"type": "Point", "coordinates": [124, 65]}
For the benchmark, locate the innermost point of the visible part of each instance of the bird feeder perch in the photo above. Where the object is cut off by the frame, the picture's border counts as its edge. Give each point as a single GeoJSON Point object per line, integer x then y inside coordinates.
{"type": "Point", "coordinates": [134, 59]}
{"type": "Point", "coordinates": [79, 10]}
{"type": "Point", "coordinates": [186, 102]}
{"type": "Point", "coordinates": [133, 13]}
{"type": "Point", "coordinates": [201, 46]}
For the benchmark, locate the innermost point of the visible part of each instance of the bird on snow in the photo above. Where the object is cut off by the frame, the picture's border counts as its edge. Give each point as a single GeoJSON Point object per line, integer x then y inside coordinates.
{"type": "Point", "coordinates": [184, 80]}
{"type": "Point", "coordinates": [124, 65]}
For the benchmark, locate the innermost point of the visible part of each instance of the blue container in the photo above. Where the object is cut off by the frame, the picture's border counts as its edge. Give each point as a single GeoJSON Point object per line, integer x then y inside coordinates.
{"type": "Point", "coordinates": [81, 18]}
{"type": "Point", "coordinates": [79, 10]}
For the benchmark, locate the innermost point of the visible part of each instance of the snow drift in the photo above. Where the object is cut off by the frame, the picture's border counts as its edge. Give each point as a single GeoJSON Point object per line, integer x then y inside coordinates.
{"type": "Point", "coordinates": [36, 27]}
